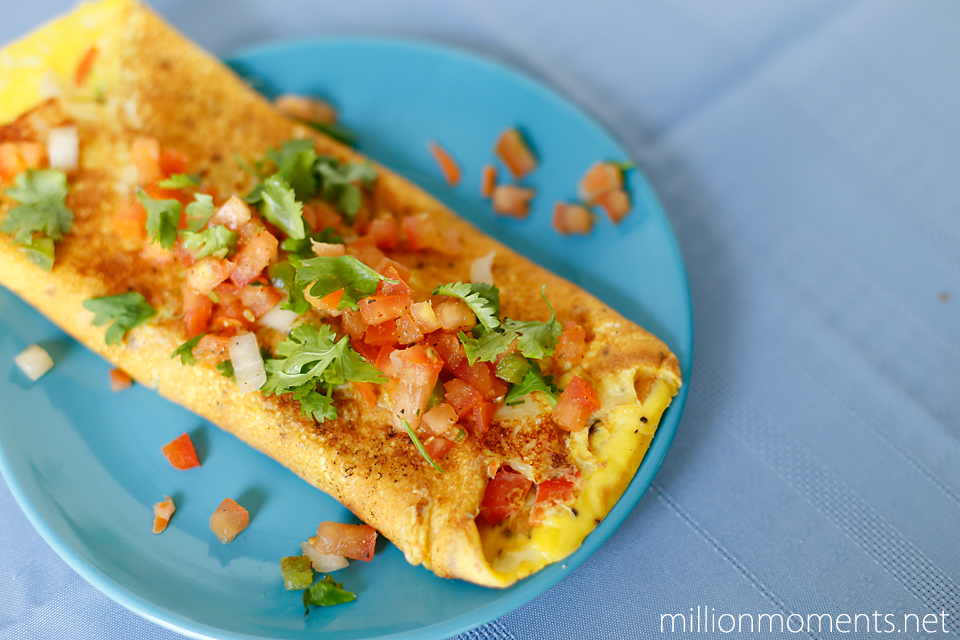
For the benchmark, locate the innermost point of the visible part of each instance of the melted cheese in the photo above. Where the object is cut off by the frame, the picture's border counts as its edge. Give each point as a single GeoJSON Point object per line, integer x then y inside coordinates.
{"type": "Point", "coordinates": [608, 455]}
{"type": "Point", "coordinates": [46, 60]}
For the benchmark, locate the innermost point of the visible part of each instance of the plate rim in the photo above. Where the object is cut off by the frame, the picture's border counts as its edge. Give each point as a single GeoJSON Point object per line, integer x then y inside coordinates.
{"type": "Point", "coordinates": [527, 589]}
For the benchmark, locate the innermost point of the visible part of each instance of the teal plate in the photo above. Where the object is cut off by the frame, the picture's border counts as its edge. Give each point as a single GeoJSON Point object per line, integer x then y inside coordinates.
{"type": "Point", "coordinates": [85, 463]}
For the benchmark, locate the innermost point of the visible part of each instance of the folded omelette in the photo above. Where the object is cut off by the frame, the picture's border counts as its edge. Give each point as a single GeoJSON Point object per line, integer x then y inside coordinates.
{"type": "Point", "coordinates": [485, 424]}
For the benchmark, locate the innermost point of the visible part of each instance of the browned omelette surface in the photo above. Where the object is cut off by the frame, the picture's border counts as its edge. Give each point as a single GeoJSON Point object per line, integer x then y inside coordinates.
{"type": "Point", "coordinates": [158, 84]}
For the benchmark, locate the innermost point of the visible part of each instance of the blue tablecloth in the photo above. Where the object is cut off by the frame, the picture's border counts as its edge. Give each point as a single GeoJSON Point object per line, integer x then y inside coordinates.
{"type": "Point", "coordinates": [808, 156]}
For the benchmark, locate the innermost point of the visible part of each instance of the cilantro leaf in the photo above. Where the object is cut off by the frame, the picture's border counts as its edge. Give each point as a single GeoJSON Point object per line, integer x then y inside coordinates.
{"type": "Point", "coordinates": [294, 161]}
{"type": "Point", "coordinates": [326, 593]}
{"type": "Point", "coordinates": [534, 380]}
{"type": "Point", "coordinates": [286, 274]}
{"type": "Point", "coordinates": [341, 182]}
{"type": "Point", "coordinates": [488, 346]}
{"type": "Point", "coordinates": [304, 248]}
{"type": "Point", "coordinates": [217, 241]}
{"type": "Point", "coordinates": [41, 252]}
{"type": "Point", "coordinates": [42, 195]}
{"type": "Point", "coordinates": [478, 297]}
{"type": "Point", "coordinates": [126, 310]}
{"type": "Point", "coordinates": [279, 205]}
{"type": "Point", "coordinates": [311, 357]}
{"type": "Point", "coordinates": [185, 351]}
{"type": "Point", "coordinates": [419, 445]}
{"type": "Point", "coordinates": [180, 181]}
{"type": "Point", "coordinates": [331, 274]}
{"type": "Point", "coordinates": [163, 219]}
{"type": "Point", "coordinates": [226, 369]}
{"type": "Point", "coordinates": [199, 211]}
{"type": "Point", "coordinates": [537, 339]}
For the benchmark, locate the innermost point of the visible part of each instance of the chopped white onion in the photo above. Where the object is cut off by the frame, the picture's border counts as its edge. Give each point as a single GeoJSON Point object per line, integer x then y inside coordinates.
{"type": "Point", "coordinates": [34, 361]}
{"type": "Point", "coordinates": [481, 269]}
{"type": "Point", "coordinates": [247, 362]}
{"type": "Point", "coordinates": [63, 148]}
{"type": "Point", "coordinates": [279, 319]}
{"type": "Point", "coordinates": [50, 86]}
{"type": "Point", "coordinates": [322, 562]}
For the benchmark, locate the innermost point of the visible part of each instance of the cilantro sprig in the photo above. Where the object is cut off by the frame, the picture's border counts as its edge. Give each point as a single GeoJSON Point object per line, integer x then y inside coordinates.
{"type": "Point", "coordinates": [483, 300]}
{"type": "Point", "coordinates": [534, 380]}
{"type": "Point", "coordinates": [419, 445]}
{"type": "Point", "coordinates": [185, 351]}
{"type": "Point", "coordinates": [42, 215]}
{"type": "Point", "coordinates": [125, 311]}
{"type": "Point", "coordinates": [310, 363]}
{"type": "Point", "coordinates": [217, 241]}
{"type": "Point", "coordinates": [199, 211]}
{"type": "Point", "coordinates": [325, 593]}
{"type": "Point", "coordinates": [163, 219]}
{"type": "Point", "coordinates": [331, 274]}
{"type": "Point", "coordinates": [180, 181]}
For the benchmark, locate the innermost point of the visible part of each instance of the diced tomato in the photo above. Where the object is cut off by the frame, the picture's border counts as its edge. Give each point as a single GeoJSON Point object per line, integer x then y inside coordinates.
{"type": "Point", "coordinates": [577, 403]}
{"type": "Point", "coordinates": [328, 249]}
{"type": "Point", "coordinates": [616, 204]}
{"type": "Point", "coordinates": [31, 153]}
{"type": "Point", "coordinates": [326, 215]}
{"type": "Point", "coordinates": [205, 275]}
{"type": "Point", "coordinates": [511, 200]}
{"type": "Point", "coordinates": [384, 232]}
{"type": "Point", "coordinates": [425, 317]}
{"type": "Point", "coordinates": [408, 332]}
{"type": "Point", "coordinates": [306, 109]}
{"type": "Point", "coordinates": [398, 270]}
{"type": "Point", "coordinates": [480, 376]}
{"type": "Point", "coordinates": [145, 154]}
{"type": "Point", "coordinates": [119, 380]}
{"type": "Point", "coordinates": [461, 396]}
{"type": "Point", "coordinates": [84, 66]}
{"type": "Point", "coordinates": [310, 217]}
{"type": "Point", "coordinates": [419, 368]}
{"type": "Point", "coordinates": [572, 344]}
{"type": "Point", "coordinates": [385, 363]}
{"type": "Point", "coordinates": [352, 324]}
{"type": "Point", "coordinates": [440, 419]}
{"type": "Point", "coordinates": [253, 257]}
{"type": "Point", "coordinates": [212, 349]}
{"type": "Point", "coordinates": [420, 232]}
{"type": "Point", "coordinates": [180, 452]}
{"type": "Point", "coordinates": [385, 288]}
{"type": "Point", "coordinates": [438, 447]}
{"type": "Point", "coordinates": [173, 161]}
{"type": "Point", "coordinates": [155, 191]}
{"type": "Point", "coordinates": [367, 393]}
{"type": "Point", "coordinates": [448, 166]}
{"type": "Point", "coordinates": [229, 520]}
{"type": "Point", "coordinates": [355, 541]}
{"type": "Point", "coordinates": [572, 218]}
{"type": "Point", "coordinates": [378, 309]}
{"type": "Point", "coordinates": [601, 178]}
{"type": "Point", "coordinates": [328, 303]}
{"type": "Point", "coordinates": [259, 299]}
{"type": "Point", "coordinates": [488, 180]}
{"type": "Point", "coordinates": [365, 250]}
{"type": "Point", "coordinates": [130, 220]}
{"type": "Point", "coordinates": [231, 318]}
{"type": "Point", "coordinates": [162, 512]}
{"type": "Point", "coordinates": [449, 347]}
{"type": "Point", "coordinates": [10, 163]}
{"type": "Point", "coordinates": [383, 333]}
{"type": "Point", "coordinates": [478, 420]}
{"type": "Point", "coordinates": [504, 496]}
{"type": "Point", "coordinates": [551, 493]}
{"type": "Point", "coordinates": [513, 150]}
{"type": "Point", "coordinates": [455, 315]}
{"type": "Point", "coordinates": [197, 308]}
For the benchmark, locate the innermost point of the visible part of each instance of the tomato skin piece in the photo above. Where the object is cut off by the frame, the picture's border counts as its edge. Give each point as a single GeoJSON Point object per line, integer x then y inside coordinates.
{"type": "Point", "coordinates": [513, 150]}
{"type": "Point", "coordinates": [461, 396]}
{"type": "Point", "coordinates": [180, 452]}
{"type": "Point", "coordinates": [356, 541]}
{"type": "Point", "coordinates": [162, 512]}
{"type": "Point", "coordinates": [83, 68]}
{"type": "Point", "coordinates": [577, 403]}
{"type": "Point", "coordinates": [448, 166]}
{"type": "Point", "coordinates": [504, 496]}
